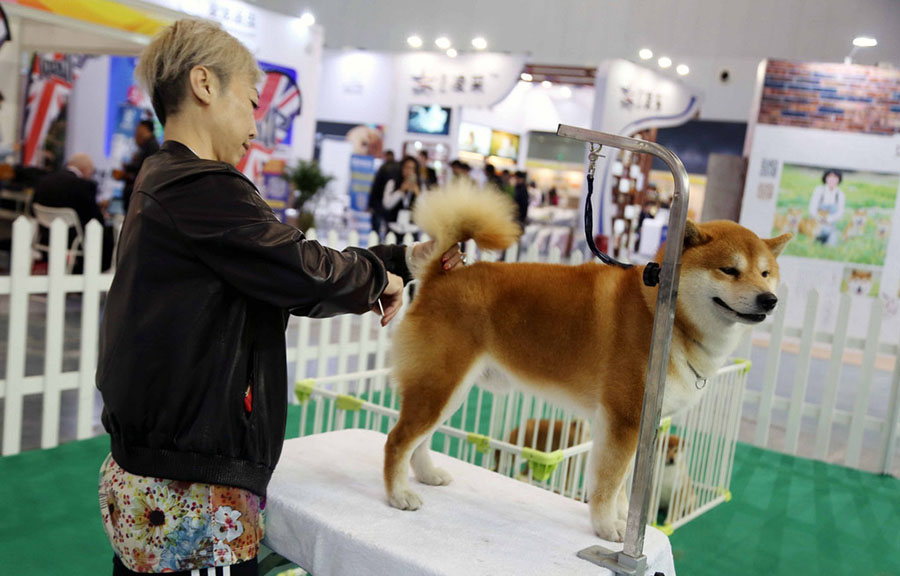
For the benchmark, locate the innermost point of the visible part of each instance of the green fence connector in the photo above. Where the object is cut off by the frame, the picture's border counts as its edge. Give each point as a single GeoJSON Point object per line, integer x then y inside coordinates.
{"type": "Point", "coordinates": [303, 389]}
{"type": "Point", "coordinates": [481, 442]}
{"type": "Point", "coordinates": [349, 403]}
{"type": "Point", "coordinates": [665, 528]}
{"type": "Point", "coordinates": [747, 364]}
{"type": "Point", "coordinates": [542, 464]}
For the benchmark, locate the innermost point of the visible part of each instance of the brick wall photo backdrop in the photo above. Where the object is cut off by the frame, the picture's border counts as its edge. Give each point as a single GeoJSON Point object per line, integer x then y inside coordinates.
{"type": "Point", "coordinates": [847, 98]}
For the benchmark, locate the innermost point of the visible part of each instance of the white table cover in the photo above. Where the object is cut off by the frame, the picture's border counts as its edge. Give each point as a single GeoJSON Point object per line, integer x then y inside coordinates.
{"type": "Point", "coordinates": [328, 513]}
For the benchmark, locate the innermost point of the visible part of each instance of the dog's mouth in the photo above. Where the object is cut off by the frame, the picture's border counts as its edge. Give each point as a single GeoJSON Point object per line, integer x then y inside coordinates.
{"type": "Point", "coordinates": [751, 318]}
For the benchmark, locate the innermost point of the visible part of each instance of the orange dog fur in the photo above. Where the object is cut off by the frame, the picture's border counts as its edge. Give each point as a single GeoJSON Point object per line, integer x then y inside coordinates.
{"type": "Point", "coordinates": [578, 335]}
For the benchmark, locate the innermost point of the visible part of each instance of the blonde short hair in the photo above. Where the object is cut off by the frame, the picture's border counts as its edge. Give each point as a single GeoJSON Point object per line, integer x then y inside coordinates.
{"type": "Point", "coordinates": [165, 64]}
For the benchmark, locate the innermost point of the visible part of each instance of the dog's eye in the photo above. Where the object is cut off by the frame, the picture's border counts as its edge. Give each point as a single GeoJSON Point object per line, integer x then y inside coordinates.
{"type": "Point", "coordinates": [731, 271]}
{"type": "Point", "coordinates": [765, 274]}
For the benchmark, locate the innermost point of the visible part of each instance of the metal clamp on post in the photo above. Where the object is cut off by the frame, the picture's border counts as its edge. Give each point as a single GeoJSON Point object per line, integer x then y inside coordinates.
{"type": "Point", "coordinates": [631, 559]}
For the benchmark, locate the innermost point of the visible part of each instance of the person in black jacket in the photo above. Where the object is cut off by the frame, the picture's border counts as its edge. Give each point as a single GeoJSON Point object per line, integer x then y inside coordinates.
{"type": "Point", "coordinates": [520, 195]}
{"type": "Point", "coordinates": [147, 146]}
{"type": "Point", "coordinates": [74, 187]}
{"type": "Point", "coordinates": [427, 174]}
{"type": "Point", "coordinates": [192, 362]}
{"type": "Point", "coordinates": [386, 172]}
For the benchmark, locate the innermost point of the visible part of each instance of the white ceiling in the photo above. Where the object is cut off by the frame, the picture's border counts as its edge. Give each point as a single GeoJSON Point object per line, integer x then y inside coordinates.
{"type": "Point", "coordinates": [710, 36]}
{"type": "Point", "coordinates": [584, 32]}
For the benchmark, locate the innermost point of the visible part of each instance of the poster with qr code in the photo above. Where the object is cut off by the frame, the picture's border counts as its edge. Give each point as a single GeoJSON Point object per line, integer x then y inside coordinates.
{"type": "Point", "coordinates": [769, 168]}
{"type": "Point", "coordinates": [840, 215]}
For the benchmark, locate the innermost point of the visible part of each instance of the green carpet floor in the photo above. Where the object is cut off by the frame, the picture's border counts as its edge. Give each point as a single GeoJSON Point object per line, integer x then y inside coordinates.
{"type": "Point", "coordinates": [788, 517]}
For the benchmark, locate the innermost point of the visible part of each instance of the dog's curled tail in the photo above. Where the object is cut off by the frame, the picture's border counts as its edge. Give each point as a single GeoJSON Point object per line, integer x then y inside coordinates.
{"type": "Point", "coordinates": [461, 211]}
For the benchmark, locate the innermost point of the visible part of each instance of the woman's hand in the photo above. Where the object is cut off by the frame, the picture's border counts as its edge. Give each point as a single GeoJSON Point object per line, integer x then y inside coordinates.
{"type": "Point", "coordinates": [450, 259]}
{"type": "Point", "coordinates": [391, 299]}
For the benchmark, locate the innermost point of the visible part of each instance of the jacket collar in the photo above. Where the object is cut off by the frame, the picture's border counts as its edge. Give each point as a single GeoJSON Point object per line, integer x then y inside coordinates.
{"type": "Point", "coordinates": [185, 153]}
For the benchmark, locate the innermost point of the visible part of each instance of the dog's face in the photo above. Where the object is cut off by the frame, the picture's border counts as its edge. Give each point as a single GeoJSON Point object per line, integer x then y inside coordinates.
{"type": "Point", "coordinates": [860, 282]}
{"type": "Point", "coordinates": [859, 218]}
{"type": "Point", "coordinates": [728, 274]}
{"type": "Point", "coordinates": [673, 451]}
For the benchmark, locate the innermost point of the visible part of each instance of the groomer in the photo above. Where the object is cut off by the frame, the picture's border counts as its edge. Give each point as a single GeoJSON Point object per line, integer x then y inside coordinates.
{"type": "Point", "coordinates": [192, 350]}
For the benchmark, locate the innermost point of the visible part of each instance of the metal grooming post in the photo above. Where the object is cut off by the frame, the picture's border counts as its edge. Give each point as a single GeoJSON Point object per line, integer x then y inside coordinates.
{"type": "Point", "coordinates": [631, 559]}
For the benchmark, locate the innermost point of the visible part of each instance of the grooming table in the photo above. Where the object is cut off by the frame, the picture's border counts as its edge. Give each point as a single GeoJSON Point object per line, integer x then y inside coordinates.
{"type": "Point", "coordinates": [328, 513]}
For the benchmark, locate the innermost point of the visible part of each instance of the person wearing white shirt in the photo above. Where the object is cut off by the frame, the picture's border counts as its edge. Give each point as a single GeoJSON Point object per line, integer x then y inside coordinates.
{"type": "Point", "coordinates": [827, 206]}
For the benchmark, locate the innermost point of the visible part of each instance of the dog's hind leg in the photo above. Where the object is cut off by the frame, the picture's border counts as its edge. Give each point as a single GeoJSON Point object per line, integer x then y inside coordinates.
{"type": "Point", "coordinates": [428, 399]}
{"type": "Point", "coordinates": [611, 454]}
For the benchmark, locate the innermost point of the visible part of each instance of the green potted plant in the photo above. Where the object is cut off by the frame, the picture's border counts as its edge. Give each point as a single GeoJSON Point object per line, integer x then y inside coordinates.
{"type": "Point", "coordinates": [307, 180]}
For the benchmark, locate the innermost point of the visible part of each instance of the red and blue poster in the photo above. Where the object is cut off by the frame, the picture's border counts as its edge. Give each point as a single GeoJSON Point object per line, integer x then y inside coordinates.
{"type": "Point", "coordinates": [49, 86]}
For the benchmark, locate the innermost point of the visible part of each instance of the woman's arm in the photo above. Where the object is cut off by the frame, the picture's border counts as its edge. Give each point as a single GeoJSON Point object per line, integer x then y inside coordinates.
{"type": "Point", "coordinates": [392, 195]}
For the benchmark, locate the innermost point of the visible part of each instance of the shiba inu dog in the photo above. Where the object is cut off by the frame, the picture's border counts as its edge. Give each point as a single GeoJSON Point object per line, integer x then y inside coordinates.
{"type": "Point", "coordinates": [809, 227]}
{"type": "Point", "coordinates": [857, 225]}
{"type": "Point", "coordinates": [790, 221]}
{"type": "Point", "coordinates": [860, 282]}
{"type": "Point", "coordinates": [676, 484]}
{"type": "Point", "coordinates": [576, 335]}
{"type": "Point", "coordinates": [536, 434]}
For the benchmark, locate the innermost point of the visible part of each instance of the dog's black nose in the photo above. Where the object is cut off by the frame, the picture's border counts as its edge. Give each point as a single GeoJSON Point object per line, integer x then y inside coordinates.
{"type": "Point", "coordinates": [767, 301]}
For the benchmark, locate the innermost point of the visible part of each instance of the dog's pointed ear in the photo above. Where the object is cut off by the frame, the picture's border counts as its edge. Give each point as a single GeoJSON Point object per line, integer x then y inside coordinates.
{"type": "Point", "coordinates": [693, 236]}
{"type": "Point", "coordinates": [777, 244]}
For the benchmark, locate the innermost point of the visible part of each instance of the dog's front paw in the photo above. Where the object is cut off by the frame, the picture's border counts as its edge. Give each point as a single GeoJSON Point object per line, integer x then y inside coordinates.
{"type": "Point", "coordinates": [435, 477]}
{"type": "Point", "coordinates": [611, 529]}
{"type": "Point", "coordinates": [405, 500]}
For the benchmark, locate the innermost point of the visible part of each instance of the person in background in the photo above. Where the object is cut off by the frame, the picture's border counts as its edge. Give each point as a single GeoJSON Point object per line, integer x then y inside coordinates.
{"type": "Point", "coordinates": [519, 183]}
{"type": "Point", "coordinates": [826, 206]}
{"type": "Point", "coordinates": [192, 364]}
{"type": "Point", "coordinates": [386, 172]}
{"type": "Point", "coordinates": [74, 187]}
{"type": "Point", "coordinates": [491, 178]}
{"type": "Point", "coordinates": [147, 146]}
{"type": "Point", "coordinates": [535, 198]}
{"type": "Point", "coordinates": [427, 174]}
{"type": "Point", "coordinates": [400, 192]}
{"type": "Point", "coordinates": [553, 197]}
{"type": "Point", "coordinates": [506, 182]}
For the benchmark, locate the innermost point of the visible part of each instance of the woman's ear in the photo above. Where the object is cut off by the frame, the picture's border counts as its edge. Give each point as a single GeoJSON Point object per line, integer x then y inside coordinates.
{"type": "Point", "coordinates": [777, 244]}
{"type": "Point", "coordinates": [203, 84]}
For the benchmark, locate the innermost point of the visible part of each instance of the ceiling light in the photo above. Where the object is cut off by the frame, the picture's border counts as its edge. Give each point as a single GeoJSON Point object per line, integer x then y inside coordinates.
{"type": "Point", "coordinates": [414, 41]}
{"type": "Point", "coordinates": [865, 42]}
{"type": "Point", "coordinates": [645, 53]}
{"type": "Point", "coordinates": [307, 19]}
{"type": "Point", "coordinates": [683, 70]}
{"type": "Point", "coordinates": [566, 92]}
{"type": "Point", "coordinates": [443, 42]}
{"type": "Point", "coordinates": [547, 84]}
{"type": "Point", "coordinates": [451, 52]}
{"type": "Point", "coordinates": [526, 76]}
{"type": "Point", "coordinates": [479, 43]}
{"type": "Point", "coordinates": [664, 62]}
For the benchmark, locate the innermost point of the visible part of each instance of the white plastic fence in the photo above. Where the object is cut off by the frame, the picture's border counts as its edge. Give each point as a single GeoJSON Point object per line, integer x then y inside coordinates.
{"type": "Point", "coordinates": [502, 432]}
{"type": "Point", "coordinates": [807, 427]}
{"type": "Point", "coordinates": [319, 348]}
{"type": "Point", "coordinates": [55, 286]}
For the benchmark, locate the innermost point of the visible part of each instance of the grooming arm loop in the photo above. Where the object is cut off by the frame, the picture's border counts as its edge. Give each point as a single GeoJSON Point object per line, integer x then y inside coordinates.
{"type": "Point", "coordinates": [631, 559]}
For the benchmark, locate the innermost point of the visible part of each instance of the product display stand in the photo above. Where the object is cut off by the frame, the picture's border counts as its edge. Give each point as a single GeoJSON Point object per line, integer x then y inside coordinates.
{"type": "Point", "coordinates": [631, 560]}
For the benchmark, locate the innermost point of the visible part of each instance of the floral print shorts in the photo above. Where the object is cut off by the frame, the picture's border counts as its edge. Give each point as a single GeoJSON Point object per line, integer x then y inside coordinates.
{"type": "Point", "coordinates": [159, 525]}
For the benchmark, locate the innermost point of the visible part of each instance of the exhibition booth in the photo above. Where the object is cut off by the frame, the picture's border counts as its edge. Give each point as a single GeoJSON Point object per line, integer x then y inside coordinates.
{"type": "Point", "coordinates": [810, 119]}
{"type": "Point", "coordinates": [76, 92]}
{"type": "Point", "coordinates": [819, 158]}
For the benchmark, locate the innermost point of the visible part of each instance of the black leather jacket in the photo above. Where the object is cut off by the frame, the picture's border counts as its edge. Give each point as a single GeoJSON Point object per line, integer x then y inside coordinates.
{"type": "Point", "coordinates": [196, 316]}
